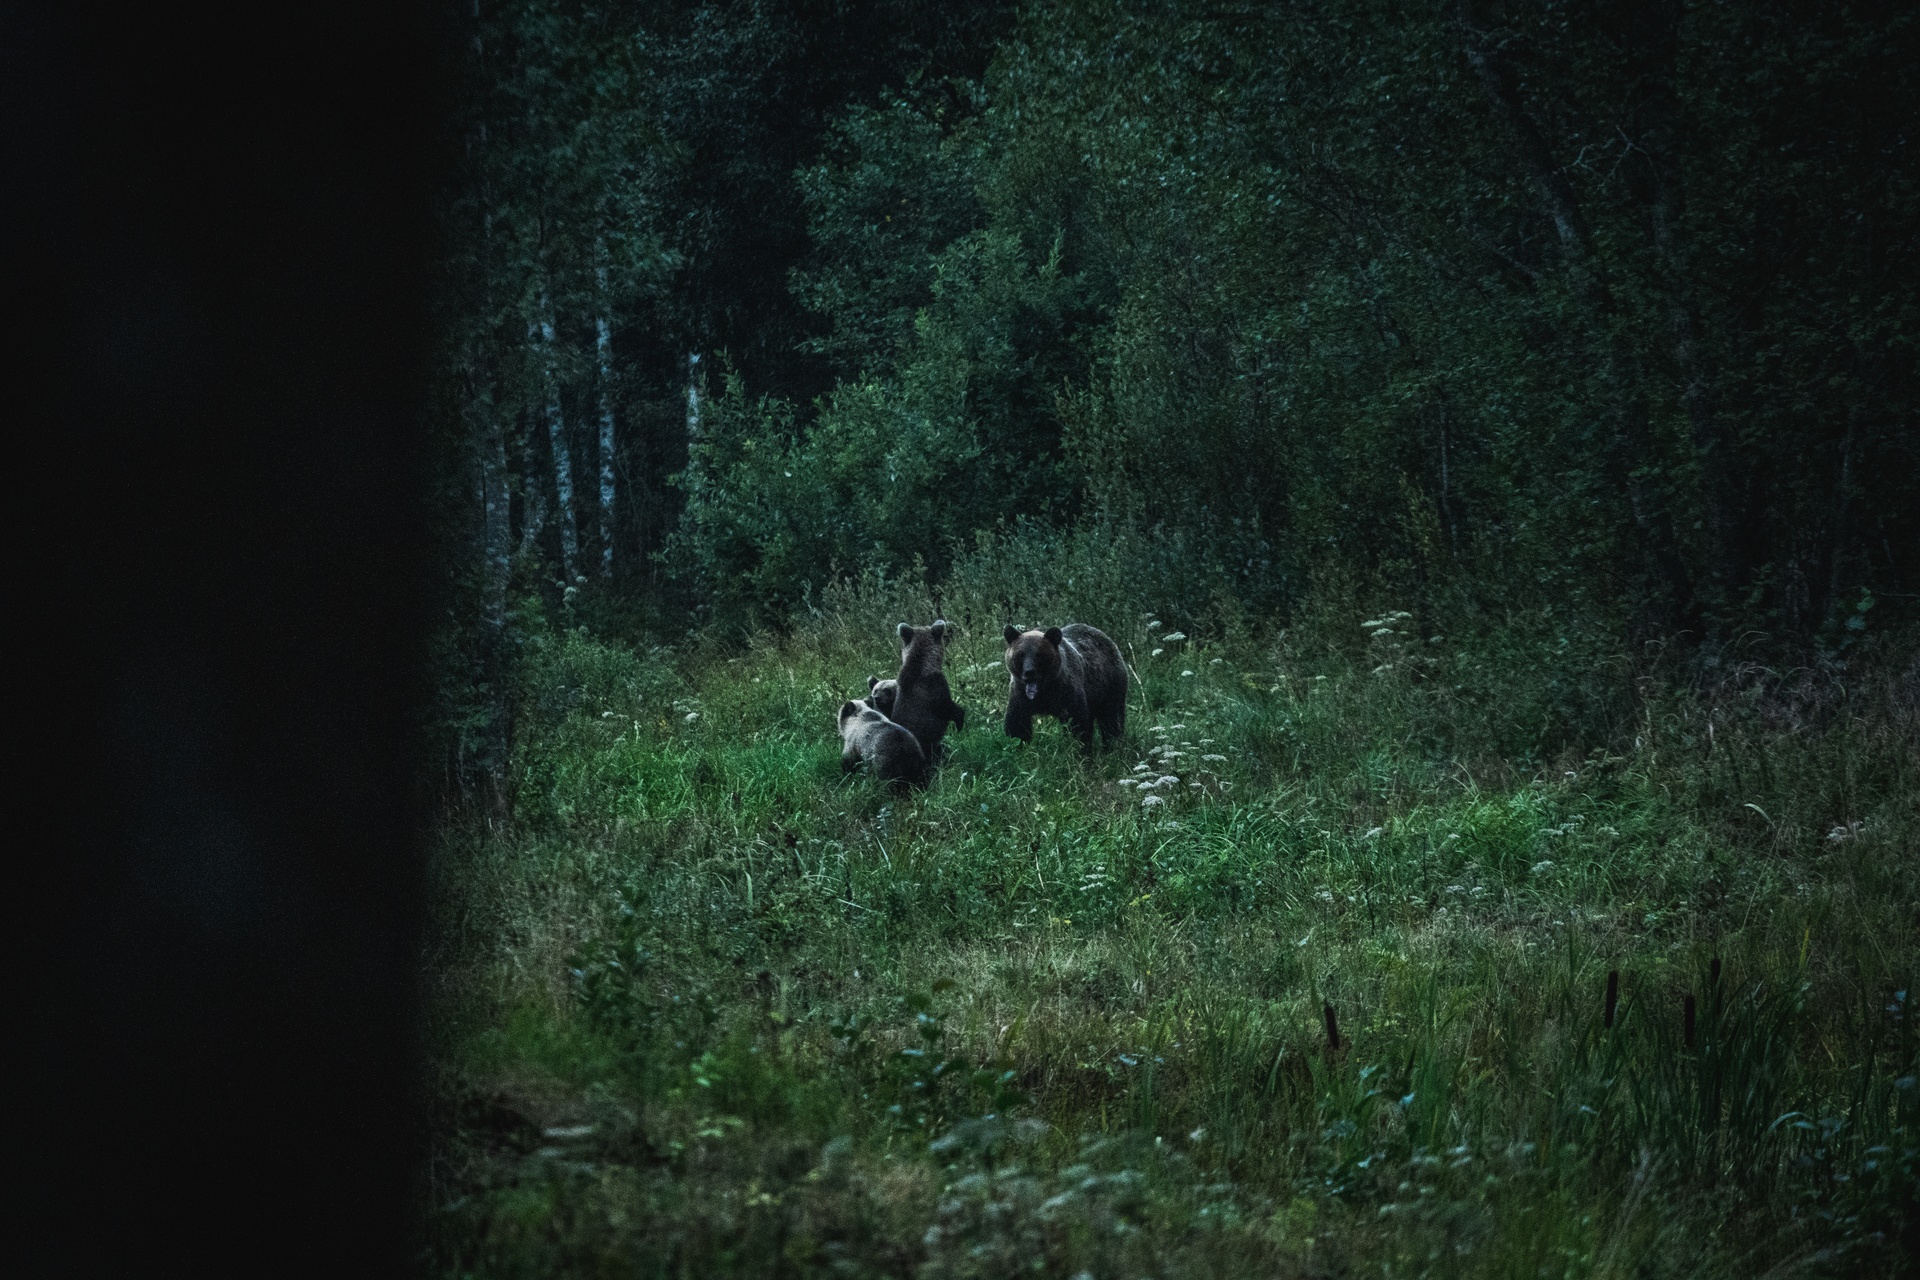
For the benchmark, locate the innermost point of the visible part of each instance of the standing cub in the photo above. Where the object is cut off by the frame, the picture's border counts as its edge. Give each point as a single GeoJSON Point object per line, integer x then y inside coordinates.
{"type": "Point", "coordinates": [889, 750]}
{"type": "Point", "coordinates": [922, 700]}
{"type": "Point", "coordinates": [1073, 673]}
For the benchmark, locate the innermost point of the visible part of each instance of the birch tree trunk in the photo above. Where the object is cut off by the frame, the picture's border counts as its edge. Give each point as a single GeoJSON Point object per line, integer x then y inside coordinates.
{"type": "Point", "coordinates": [693, 417]}
{"type": "Point", "coordinates": [604, 348]}
{"type": "Point", "coordinates": [533, 498]}
{"type": "Point", "coordinates": [496, 543]}
{"type": "Point", "coordinates": [562, 456]}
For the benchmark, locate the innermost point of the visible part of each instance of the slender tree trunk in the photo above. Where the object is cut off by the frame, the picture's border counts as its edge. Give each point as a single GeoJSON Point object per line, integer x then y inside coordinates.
{"type": "Point", "coordinates": [1655, 45]}
{"type": "Point", "coordinates": [1727, 567]}
{"type": "Point", "coordinates": [1836, 548]}
{"type": "Point", "coordinates": [557, 438]}
{"type": "Point", "coordinates": [1630, 438]}
{"type": "Point", "coordinates": [604, 348]}
{"type": "Point", "coordinates": [533, 498]}
{"type": "Point", "coordinates": [496, 546]}
{"type": "Point", "coordinates": [693, 417]}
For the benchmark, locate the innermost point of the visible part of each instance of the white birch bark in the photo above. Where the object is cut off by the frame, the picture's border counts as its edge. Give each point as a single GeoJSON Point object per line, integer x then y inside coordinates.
{"type": "Point", "coordinates": [562, 456]}
{"type": "Point", "coordinates": [693, 417]}
{"type": "Point", "coordinates": [604, 348]}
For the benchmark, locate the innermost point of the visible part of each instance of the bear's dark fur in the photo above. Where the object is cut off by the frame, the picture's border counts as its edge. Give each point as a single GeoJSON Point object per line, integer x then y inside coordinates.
{"type": "Point", "coordinates": [1073, 673]}
{"type": "Point", "coordinates": [891, 752]}
{"type": "Point", "coordinates": [922, 701]}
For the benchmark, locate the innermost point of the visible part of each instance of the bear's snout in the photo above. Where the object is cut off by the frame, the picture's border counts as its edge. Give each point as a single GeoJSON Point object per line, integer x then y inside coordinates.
{"type": "Point", "coordinates": [1033, 690]}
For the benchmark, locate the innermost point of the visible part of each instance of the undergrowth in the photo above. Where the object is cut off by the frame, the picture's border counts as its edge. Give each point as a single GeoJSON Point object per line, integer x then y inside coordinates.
{"type": "Point", "coordinates": [706, 1006]}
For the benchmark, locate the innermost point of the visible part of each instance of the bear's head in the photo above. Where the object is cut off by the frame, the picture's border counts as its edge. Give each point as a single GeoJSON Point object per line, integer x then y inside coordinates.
{"type": "Point", "coordinates": [935, 634]}
{"type": "Point", "coordinates": [848, 710]}
{"type": "Point", "coordinates": [881, 694]}
{"type": "Point", "coordinates": [1033, 657]}
{"type": "Point", "coordinates": [923, 649]}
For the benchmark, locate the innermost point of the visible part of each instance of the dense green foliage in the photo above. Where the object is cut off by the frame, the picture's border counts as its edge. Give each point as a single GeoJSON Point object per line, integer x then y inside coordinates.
{"type": "Point", "coordinates": [1605, 305]}
{"type": "Point", "coordinates": [1568, 347]}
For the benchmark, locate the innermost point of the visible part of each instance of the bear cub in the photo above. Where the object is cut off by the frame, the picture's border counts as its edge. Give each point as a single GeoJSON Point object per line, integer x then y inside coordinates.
{"type": "Point", "coordinates": [921, 698]}
{"type": "Point", "coordinates": [889, 750]}
{"type": "Point", "coordinates": [1073, 673]}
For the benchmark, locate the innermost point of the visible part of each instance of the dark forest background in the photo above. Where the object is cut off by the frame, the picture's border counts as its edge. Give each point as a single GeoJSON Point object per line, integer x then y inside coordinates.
{"type": "Point", "coordinates": [1584, 319]}
{"type": "Point", "coordinates": [1486, 429]}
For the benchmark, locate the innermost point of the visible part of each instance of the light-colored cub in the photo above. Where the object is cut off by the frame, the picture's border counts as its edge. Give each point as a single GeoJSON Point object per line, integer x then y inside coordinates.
{"type": "Point", "coordinates": [892, 754]}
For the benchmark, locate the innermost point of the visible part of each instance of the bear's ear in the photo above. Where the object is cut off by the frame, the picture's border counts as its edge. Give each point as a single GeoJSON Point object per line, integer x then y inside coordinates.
{"type": "Point", "coordinates": [906, 632]}
{"type": "Point", "coordinates": [1012, 633]}
{"type": "Point", "coordinates": [848, 709]}
{"type": "Point", "coordinates": [1053, 636]}
{"type": "Point", "coordinates": [872, 681]}
{"type": "Point", "coordinates": [939, 629]}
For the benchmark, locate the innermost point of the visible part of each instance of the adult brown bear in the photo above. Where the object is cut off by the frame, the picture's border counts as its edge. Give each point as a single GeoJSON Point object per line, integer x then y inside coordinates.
{"type": "Point", "coordinates": [1073, 673]}
{"type": "Point", "coordinates": [922, 700]}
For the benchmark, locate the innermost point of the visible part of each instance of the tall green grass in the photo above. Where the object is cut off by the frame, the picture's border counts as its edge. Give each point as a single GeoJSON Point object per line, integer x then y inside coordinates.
{"type": "Point", "coordinates": [706, 1006]}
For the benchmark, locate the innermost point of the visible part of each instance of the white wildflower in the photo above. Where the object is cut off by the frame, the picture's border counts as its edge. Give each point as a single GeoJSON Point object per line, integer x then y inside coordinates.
{"type": "Point", "coordinates": [1216, 662]}
{"type": "Point", "coordinates": [1185, 674]}
{"type": "Point", "coordinates": [692, 716]}
{"type": "Point", "coordinates": [1156, 653]}
{"type": "Point", "coordinates": [1372, 832]}
{"type": "Point", "coordinates": [1148, 802]}
{"type": "Point", "coordinates": [1154, 625]}
{"type": "Point", "coordinates": [1542, 866]}
{"type": "Point", "coordinates": [1214, 759]}
{"type": "Point", "coordinates": [1127, 782]}
{"type": "Point", "coordinates": [1174, 635]}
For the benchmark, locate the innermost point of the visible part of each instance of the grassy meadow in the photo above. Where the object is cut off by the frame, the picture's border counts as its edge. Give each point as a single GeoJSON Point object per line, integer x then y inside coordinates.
{"type": "Point", "coordinates": [705, 1006]}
